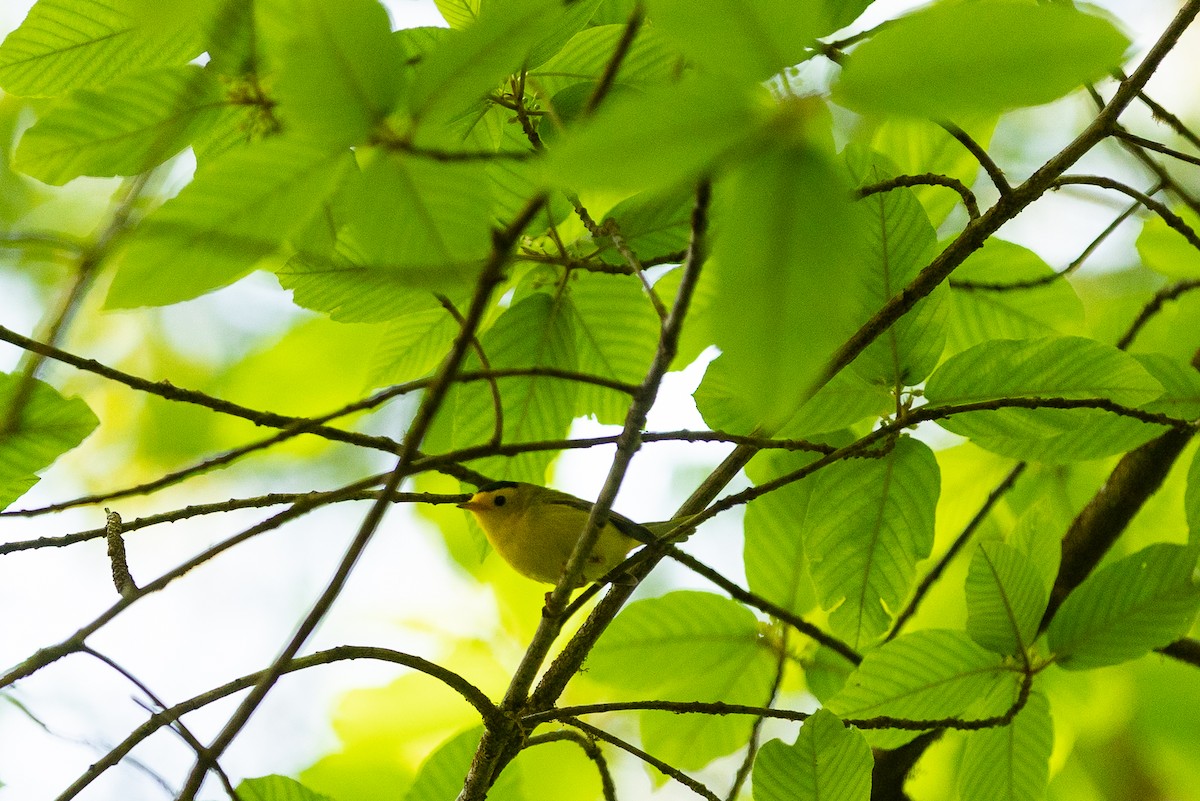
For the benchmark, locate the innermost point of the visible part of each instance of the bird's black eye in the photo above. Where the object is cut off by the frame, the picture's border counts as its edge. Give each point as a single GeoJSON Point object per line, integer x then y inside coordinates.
{"type": "Point", "coordinates": [501, 500]}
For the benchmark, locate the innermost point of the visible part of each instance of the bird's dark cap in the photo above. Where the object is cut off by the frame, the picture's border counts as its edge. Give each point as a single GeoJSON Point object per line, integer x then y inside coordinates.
{"type": "Point", "coordinates": [497, 485]}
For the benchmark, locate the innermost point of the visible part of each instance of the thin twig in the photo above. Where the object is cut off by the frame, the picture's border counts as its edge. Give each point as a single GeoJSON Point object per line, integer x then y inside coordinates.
{"type": "Point", "coordinates": [667, 770]}
{"type": "Point", "coordinates": [472, 694]}
{"type": "Point", "coordinates": [592, 751]}
{"type": "Point", "coordinates": [633, 24]}
{"type": "Point", "coordinates": [1154, 306]}
{"type": "Point", "coordinates": [490, 277]}
{"type": "Point", "coordinates": [927, 179]}
{"type": "Point", "coordinates": [990, 167]}
{"type": "Point", "coordinates": [1157, 147]}
{"type": "Point", "coordinates": [178, 726]}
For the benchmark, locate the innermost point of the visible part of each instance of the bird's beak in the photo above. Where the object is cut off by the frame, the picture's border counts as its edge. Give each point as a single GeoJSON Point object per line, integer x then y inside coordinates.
{"type": "Point", "coordinates": [470, 505]}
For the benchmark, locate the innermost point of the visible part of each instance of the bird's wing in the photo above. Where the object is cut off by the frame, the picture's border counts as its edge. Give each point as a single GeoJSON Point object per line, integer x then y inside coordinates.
{"type": "Point", "coordinates": [622, 523]}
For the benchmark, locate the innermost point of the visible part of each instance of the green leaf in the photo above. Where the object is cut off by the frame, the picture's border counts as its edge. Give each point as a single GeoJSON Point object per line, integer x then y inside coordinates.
{"type": "Point", "coordinates": [828, 762]}
{"type": "Point", "coordinates": [584, 59]}
{"type": "Point", "coordinates": [1181, 382]}
{"type": "Point", "coordinates": [869, 521]}
{"type": "Point", "coordinates": [276, 788]}
{"type": "Point", "coordinates": [979, 314]}
{"type": "Point", "coordinates": [1126, 609]}
{"type": "Point", "coordinates": [538, 331]}
{"type": "Point", "coordinates": [657, 139]}
{"type": "Point", "coordinates": [69, 44]}
{"type": "Point", "coordinates": [926, 675]}
{"type": "Point", "coordinates": [459, 13]}
{"type": "Point", "coordinates": [131, 125]}
{"type": "Point", "coordinates": [1010, 763]}
{"type": "Point", "coordinates": [785, 257]}
{"type": "Point", "coordinates": [1005, 599]}
{"type": "Point", "coordinates": [339, 68]}
{"type": "Point", "coordinates": [1036, 536]}
{"type": "Point", "coordinates": [653, 225]}
{"type": "Point", "coordinates": [1064, 367]}
{"type": "Point", "coordinates": [847, 399]}
{"type": "Point", "coordinates": [1165, 250]}
{"type": "Point", "coordinates": [238, 210]}
{"type": "Point", "coordinates": [1192, 500]}
{"type": "Point", "coordinates": [980, 57]}
{"type": "Point", "coordinates": [919, 146]}
{"type": "Point", "coordinates": [467, 64]}
{"type": "Point", "coordinates": [748, 39]}
{"type": "Point", "coordinates": [717, 639]}
{"type": "Point", "coordinates": [899, 243]}
{"type": "Point", "coordinates": [563, 27]}
{"type": "Point", "coordinates": [48, 426]}
{"type": "Point", "coordinates": [617, 336]}
{"type": "Point", "coordinates": [441, 775]}
{"type": "Point", "coordinates": [350, 292]}
{"type": "Point", "coordinates": [412, 346]}
{"type": "Point", "coordinates": [776, 564]}
{"type": "Point", "coordinates": [428, 221]}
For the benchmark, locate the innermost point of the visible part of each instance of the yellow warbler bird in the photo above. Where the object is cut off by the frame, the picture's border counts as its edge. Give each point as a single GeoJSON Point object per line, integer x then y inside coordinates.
{"type": "Point", "coordinates": [535, 529]}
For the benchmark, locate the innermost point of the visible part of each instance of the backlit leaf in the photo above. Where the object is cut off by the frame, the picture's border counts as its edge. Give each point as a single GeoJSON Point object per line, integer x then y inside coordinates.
{"type": "Point", "coordinates": [868, 523]}
{"type": "Point", "coordinates": [1127, 608]}
{"type": "Point", "coordinates": [48, 426]}
{"type": "Point", "coordinates": [828, 762]}
{"type": "Point", "coordinates": [981, 57]}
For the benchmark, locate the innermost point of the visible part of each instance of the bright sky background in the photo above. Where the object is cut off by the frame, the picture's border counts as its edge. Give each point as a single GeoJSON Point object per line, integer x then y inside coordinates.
{"type": "Point", "coordinates": [405, 571]}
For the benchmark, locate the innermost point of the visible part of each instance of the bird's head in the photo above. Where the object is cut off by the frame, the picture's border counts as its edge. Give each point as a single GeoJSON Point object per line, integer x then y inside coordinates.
{"type": "Point", "coordinates": [499, 500]}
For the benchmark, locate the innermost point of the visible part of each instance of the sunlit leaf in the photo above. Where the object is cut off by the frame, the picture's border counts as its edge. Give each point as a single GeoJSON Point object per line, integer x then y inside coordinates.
{"type": "Point", "coordinates": [1005, 599]}
{"type": "Point", "coordinates": [847, 399]}
{"type": "Point", "coordinates": [788, 250]}
{"type": "Point", "coordinates": [828, 762]}
{"type": "Point", "coordinates": [899, 243]}
{"type": "Point", "coordinates": [1127, 608]}
{"type": "Point", "coordinates": [656, 139]}
{"type": "Point", "coordinates": [1036, 536]}
{"type": "Point", "coordinates": [749, 39]}
{"type": "Point", "coordinates": [978, 313]}
{"type": "Point", "coordinates": [1064, 367]}
{"type": "Point", "coordinates": [412, 346]}
{"type": "Point", "coordinates": [1165, 250]}
{"type": "Point", "coordinates": [428, 221]}
{"type": "Point", "coordinates": [340, 70]}
{"type": "Point", "coordinates": [1192, 500]}
{"type": "Point", "coordinates": [925, 675]}
{"type": "Point", "coordinates": [350, 292]}
{"type": "Point", "coordinates": [717, 639]}
{"type": "Point", "coordinates": [69, 44]}
{"type": "Point", "coordinates": [1181, 385]}
{"type": "Point", "coordinates": [776, 564]}
{"type": "Point", "coordinates": [979, 57]}
{"type": "Point", "coordinates": [652, 224]}
{"type": "Point", "coordinates": [459, 13]}
{"type": "Point", "coordinates": [539, 331]}
{"type": "Point", "coordinates": [131, 125]}
{"type": "Point", "coordinates": [469, 63]}
{"type": "Point", "coordinates": [919, 146]}
{"type": "Point", "coordinates": [649, 61]}
{"type": "Point", "coordinates": [868, 523]}
{"type": "Point", "coordinates": [617, 331]}
{"type": "Point", "coordinates": [441, 775]}
{"type": "Point", "coordinates": [243, 207]}
{"type": "Point", "coordinates": [277, 788]}
{"type": "Point", "coordinates": [47, 426]}
{"type": "Point", "coordinates": [1010, 763]}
